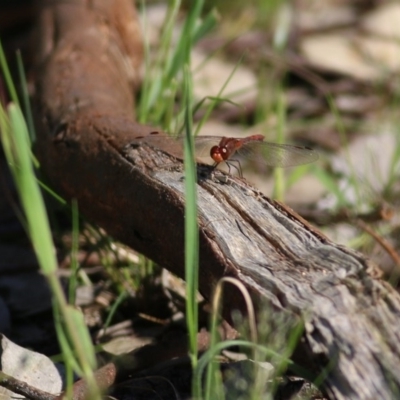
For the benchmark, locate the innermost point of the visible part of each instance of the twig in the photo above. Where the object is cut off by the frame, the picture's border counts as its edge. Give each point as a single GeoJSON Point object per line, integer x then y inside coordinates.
{"type": "Point", "coordinates": [383, 242]}
{"type": "Point", "coordinates": [22, 388]}
{"type": "Point", "coordinates": [382, 212]}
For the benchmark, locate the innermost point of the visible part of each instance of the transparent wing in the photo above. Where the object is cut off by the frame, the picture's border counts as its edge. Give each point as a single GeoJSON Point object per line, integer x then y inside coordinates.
{"type": "Point", "coordinates": [203, 145]}
{"type": "Point", "coordinates": [174, 145]}
{"type": "Point", "coordinates": [276, 155]}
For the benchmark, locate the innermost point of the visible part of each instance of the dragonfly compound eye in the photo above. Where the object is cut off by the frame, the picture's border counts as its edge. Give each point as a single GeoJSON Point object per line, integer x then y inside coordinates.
{"type": "Point", "coordinates": [216, 154]}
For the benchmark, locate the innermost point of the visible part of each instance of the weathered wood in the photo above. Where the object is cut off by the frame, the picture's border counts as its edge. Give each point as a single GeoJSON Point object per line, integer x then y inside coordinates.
{"type": "Point", "coordinates": [86, 131]}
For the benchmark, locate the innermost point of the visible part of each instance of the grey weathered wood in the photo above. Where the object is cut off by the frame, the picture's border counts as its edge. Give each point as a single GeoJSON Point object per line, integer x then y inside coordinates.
{"type": "Point", "coordinates": [86, 144]}
{"type": "Point", "coordinates": [350, 316]}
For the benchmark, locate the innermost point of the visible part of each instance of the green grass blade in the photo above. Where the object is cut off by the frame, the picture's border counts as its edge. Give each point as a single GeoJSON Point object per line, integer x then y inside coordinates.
{"type": "Point", "coordinates": [7, 76]}
{"type": "Point", "coordinates": [330, 184]}
{"type": "Point", "coordinates": [31, 198]}
{"type": "Point", "coordinates": [186, 40]}
{"type": "Point", "coordinates": [73, 281]}
{"type": "Point", "coordinates": [217, 99]}
{"type": "Point", "coordinates": [191, 228]}
{"type": "Point", "coordinates": [71, 329]}
{"type": "Point", "coordinates": [209, 23]}
{"type": "Point", "coordinates": [25, 98]}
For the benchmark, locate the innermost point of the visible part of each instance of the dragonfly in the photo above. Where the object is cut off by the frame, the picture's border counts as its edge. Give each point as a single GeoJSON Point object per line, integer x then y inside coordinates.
{"type": "Point", "coordinates": [232, 150]}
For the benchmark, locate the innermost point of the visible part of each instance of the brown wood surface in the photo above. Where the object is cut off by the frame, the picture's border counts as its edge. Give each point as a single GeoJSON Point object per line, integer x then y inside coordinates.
{"type": "Point", "coordinates": [89, 55]}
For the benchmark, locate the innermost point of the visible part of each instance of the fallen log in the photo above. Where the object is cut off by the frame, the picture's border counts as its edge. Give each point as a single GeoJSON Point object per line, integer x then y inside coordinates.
{"type": "Point", "coordinates": [89, 55]}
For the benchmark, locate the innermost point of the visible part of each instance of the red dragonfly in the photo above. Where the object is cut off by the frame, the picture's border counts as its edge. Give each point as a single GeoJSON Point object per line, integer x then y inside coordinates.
{"type": "Point", "coordinates": [232, 150]}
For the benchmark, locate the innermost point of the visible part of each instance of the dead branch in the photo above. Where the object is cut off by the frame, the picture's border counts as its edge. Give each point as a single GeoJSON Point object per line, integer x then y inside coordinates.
{"type": "Point", "coordinates": [22, 388]}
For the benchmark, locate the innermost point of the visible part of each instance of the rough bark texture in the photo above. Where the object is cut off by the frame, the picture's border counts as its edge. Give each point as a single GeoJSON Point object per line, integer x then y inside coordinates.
{"type": "Point", "coordinates": [89, 54]}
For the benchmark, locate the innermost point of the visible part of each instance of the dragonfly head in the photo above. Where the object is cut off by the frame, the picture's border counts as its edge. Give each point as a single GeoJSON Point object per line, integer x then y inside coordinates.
{"type": "Point", "coordinates": [218, 154]}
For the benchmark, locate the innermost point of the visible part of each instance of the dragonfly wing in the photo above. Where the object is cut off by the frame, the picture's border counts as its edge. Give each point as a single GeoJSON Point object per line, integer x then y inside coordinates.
{"type": "Point", "coordinates": [277, 155]}
{"type": "Point", "coordinates": [174, 145]}
{"type": "Point", "coordinates": [203, 145]}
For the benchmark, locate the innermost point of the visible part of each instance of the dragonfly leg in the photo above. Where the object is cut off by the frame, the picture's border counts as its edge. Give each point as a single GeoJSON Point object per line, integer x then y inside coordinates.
{"type": "Point", "coordinates": [235, 164]}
